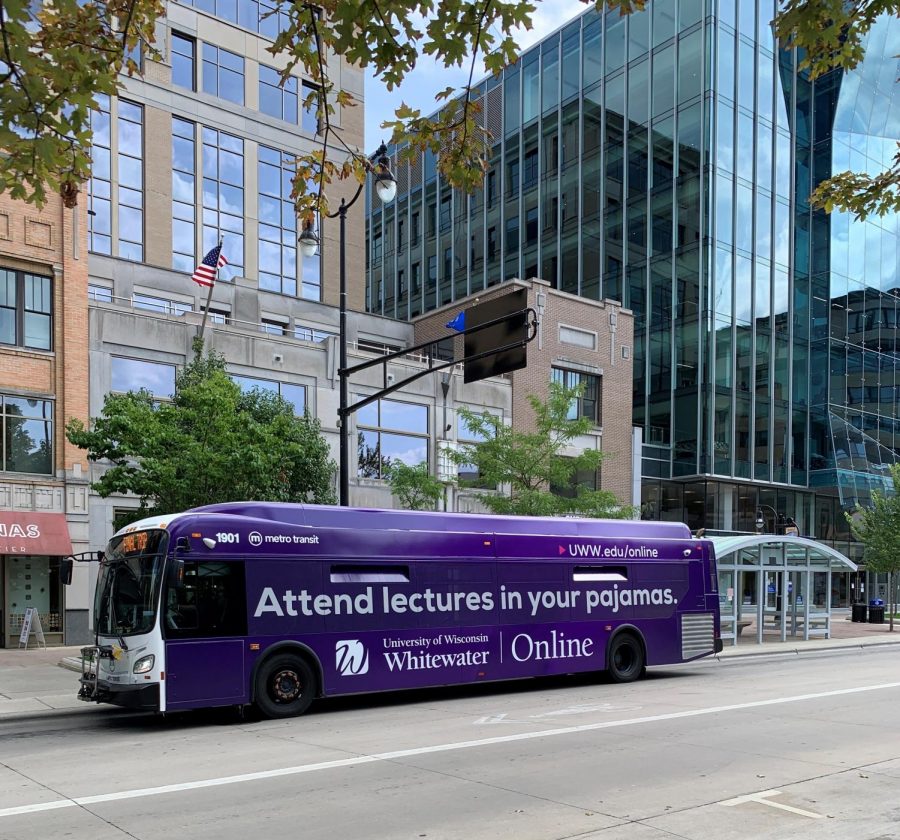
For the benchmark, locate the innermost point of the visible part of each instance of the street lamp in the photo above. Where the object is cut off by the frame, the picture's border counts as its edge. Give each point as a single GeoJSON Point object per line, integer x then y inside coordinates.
{"type": "Point", "coordinates": [386, 188]}
{"type": "Point", "coordinates": [761, 522]}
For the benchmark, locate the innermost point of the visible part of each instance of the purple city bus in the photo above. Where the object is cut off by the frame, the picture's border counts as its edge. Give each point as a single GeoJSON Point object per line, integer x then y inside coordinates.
{"type": "Point", "coordinates": [278, 604]}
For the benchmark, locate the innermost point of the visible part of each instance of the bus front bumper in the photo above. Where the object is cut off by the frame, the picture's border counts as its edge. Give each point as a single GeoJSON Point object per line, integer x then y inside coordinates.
{"type": "Point", "coordinates": [144, 697]}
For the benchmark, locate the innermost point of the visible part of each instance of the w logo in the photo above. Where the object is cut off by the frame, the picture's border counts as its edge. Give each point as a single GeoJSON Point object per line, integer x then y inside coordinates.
{"type": "Point", "coordinates": [351, 658]}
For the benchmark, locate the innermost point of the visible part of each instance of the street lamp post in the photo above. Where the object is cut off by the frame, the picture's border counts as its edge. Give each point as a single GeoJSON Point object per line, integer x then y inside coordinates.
{"type": "Point", "coordinates": [761, 522]}
{"type": "Point", "coordinates": [386, 188]}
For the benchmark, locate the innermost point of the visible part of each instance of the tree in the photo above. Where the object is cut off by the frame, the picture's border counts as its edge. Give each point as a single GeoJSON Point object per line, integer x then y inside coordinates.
{"type": "Point", "coordinates": [414, 486]}
{"type": "Point", "coordinates": [211, 443]}
{"type": "Point", "coordinates": [57, 56]}
{"type": "Point", "coordinates": [877, 527]}
{"type": "Point", "coordinates": [532, 463]}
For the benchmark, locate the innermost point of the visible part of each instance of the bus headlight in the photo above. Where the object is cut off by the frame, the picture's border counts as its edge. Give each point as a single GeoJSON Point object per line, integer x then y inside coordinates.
{"type": "Point", "coordinates": [144, 664]}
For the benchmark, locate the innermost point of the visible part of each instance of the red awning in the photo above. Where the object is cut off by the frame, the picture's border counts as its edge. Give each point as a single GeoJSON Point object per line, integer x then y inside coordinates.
{"type": "Point", "coordinates": [25, 532]}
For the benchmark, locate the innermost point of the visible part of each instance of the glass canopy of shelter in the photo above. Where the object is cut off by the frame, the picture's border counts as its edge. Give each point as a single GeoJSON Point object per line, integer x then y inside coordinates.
{"type": "Point", "coordinates": [774, 588]}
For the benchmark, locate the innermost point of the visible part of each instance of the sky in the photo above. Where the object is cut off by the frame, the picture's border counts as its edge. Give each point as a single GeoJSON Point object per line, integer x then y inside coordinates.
{"type": "Point", "coordinates": [429, 76]}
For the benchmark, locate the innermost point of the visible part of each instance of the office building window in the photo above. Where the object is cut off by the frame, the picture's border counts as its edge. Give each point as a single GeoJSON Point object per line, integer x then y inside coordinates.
{"type": "Point", "coordinates": [388, 431]}
{"type": "Point", "coordinates": [183, 51]}
{"type": "Point", "coordinates": [223, 74]}
{"type": "Point", "coordinates": [162, 305]}
{"type": "Point", "coordinates": [276, 99]}
{"type": "Point", "coordinates": [588, 404]}
{"type": "Point", "coordinates": [130, 125]}
{"type": "Point", "coordinates": [184, 200]}
{"type": "Point", "coordinates": [100, 186]}
{"type": "Point", "coordinates": [272, 327]}
{"type": "Point", "coordinates": [27, 435]}
{"type": "Point", "coordinates": [468, 474]}
{"type": "Point", "coordinates": [217, 316]}
{"type": "Point", "coordinates": [255, 15]}
{"type": "Point", "coordinates": [101, 294]}
{"type": "Point", "coordinates": [139, 375]}
{"type": "Point", "coordinates": [294, 394]}
{"type": "Point", "coordinates": [277, 223]}
{"type": "Point", "coordinates": [26, 309]}
{"type": "Point", "coordinates": [312, 334]}
{"type": "Point", "coordinates": [310, 108]}
{"type": "Point", "coordinates": [223, 198]}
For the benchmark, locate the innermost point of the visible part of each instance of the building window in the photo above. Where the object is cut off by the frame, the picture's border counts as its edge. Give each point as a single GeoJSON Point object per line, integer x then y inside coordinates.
{"type": "Point", "coordinates": [184, 201]}
{"type": "Point", "coordinates": [139, 375]}
{"type": "Point", "coordinates": [159, 304]}
{"type": "Point", "coordinates": [469, 474]}
{"type": "Point", "coordinates": [388, 431]}
{"type": "Point", "coordinates": [27, 435]}
{"type": "Point", "coordinates": [217, 316]}
{"type": "Point", "coordinates": [223, 197]}
{"type": "Point", "coordinates": [130, 124]}
{"type": "Point", "coordinates": [309, 108]}
{"type": "Point", "coordinates": [580, 479]}
{"type": "Point", "coordinates": [588, 404]}
{"type": "Point", "coordinates": [312, 334]}
{"type": "Point", "coordinates": [255, 15]}
{"type": "Point", "coordinates": [26, 309]}
{"type": "Point", "coordinates": [183, 52]}
{"type": "Point", "coordinates": [100, 294]}
{"type": "Point", "coordinates": [414, 227]}
{"type": "Point", "coordinates": [277, 224]}
{"type": "Point", "coordinates": [294, 394]}
{"type": "Point", "coordinates": [100, 187]}
{"type": "Point", "coordinates": [276, 99]}
{"type": "Point", "coordinates": [223, 74]}
{"type": "Point", "coordinates": [272, 327]}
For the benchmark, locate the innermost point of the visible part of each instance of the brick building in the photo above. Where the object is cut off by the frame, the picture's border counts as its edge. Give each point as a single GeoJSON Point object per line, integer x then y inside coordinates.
{"type": "Point", "coordinates": [43, 383]}
{"type": "Point", "coordinates": [579, 341]}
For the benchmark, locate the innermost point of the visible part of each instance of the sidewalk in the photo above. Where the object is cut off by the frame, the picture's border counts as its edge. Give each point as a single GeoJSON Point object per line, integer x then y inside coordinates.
{"type": "Point", "coordinates": [38, 680]}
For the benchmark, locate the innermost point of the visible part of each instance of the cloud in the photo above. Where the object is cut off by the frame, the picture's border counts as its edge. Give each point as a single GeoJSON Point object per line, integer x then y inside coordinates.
{"type": "Point", "coordinates": [430, 76]}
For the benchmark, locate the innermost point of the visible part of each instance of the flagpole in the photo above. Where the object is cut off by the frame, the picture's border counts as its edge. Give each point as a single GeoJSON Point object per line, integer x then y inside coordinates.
{"type": "Point", "coordinates": [208, 301]}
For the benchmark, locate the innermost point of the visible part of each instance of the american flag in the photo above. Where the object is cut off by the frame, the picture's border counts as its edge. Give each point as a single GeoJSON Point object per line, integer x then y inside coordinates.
{"type": "Point", "coordinates": [205, 274]}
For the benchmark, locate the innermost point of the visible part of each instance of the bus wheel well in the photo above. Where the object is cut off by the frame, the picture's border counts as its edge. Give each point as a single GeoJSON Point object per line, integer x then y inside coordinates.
{"type": "Point", "coordinates": [626, 654]}
{"type": "Point", "coordinates": [297, 649]}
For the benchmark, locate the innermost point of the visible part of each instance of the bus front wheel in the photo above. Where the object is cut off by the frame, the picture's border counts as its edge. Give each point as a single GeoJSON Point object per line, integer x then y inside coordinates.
{"type": "Point", "coordinates": [625, 658]}
{"type": "Point", "coordinates": [285, 686]}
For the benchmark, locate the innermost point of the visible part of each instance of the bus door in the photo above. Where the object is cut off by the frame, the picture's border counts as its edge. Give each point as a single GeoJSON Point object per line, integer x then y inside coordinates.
{"type": "Point", "coordinates": [204, 624]}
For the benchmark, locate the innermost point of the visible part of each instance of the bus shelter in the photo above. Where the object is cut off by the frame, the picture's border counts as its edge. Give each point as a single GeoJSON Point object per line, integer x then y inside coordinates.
{"type": "Point", "coordinates": [775, 588]}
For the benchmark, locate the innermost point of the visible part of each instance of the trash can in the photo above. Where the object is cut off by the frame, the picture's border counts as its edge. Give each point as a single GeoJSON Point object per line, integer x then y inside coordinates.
{"type": "Point", "coordinates": [858, 613]}
{"type": "Point", "coordinates": [876, 611]}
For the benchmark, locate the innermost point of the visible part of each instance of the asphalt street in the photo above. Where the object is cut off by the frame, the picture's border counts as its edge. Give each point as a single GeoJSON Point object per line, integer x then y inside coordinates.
{"type": "Point", "coordinates": [756, 747]}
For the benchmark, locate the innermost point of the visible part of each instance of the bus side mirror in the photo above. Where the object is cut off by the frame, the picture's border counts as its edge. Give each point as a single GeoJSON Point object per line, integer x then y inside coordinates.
{"type": "Point", "coordinates": [176, 573]}
{"type": "Point", "coordinates": [65, 570]}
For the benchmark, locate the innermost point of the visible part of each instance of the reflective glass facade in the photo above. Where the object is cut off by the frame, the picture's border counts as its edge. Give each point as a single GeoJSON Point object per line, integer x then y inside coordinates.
{"type": "Point", "coordinates": [665, 160]}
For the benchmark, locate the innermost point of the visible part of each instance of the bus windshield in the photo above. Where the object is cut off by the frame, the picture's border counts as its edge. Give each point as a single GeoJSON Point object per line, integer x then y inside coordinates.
{"type": "Point", "coordinates": [128, 586]}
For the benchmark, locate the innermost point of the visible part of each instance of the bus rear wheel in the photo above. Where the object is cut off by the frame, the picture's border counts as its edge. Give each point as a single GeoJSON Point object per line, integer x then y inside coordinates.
{"type": "Point", "coordinates": [285, 686]}
{"type": "Point", "coordinates": [625, 658]}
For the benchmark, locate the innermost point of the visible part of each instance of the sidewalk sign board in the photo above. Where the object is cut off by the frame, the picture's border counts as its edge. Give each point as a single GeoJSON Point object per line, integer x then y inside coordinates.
{"type": "Point", "coordinates": [31, 623]}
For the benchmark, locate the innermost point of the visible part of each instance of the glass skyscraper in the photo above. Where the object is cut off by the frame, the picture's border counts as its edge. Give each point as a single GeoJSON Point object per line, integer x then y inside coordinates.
{"type": "Point", "coordinates": [665, 160]}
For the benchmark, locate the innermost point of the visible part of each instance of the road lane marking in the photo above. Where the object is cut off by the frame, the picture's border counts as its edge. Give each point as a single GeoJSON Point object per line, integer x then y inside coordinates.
{"type": "Point", "coordinates": [762, 798]}
{"type": "Point", "coordinates": [437, 748]}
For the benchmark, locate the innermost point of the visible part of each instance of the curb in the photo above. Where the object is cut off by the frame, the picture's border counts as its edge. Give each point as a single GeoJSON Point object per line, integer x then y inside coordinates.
{"type": "Point", "coordinates": [70, 663]}
{"type": "Point", "coordinates": [796, 651]}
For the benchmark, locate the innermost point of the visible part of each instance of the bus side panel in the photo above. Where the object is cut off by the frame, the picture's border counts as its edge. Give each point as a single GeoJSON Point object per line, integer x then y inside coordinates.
{"type": "Point", "coordinates": [205, 673]}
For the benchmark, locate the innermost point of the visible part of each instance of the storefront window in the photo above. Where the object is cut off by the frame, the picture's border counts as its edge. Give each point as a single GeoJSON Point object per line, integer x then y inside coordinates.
{"type": "Point", "coordinates": [32, 581]}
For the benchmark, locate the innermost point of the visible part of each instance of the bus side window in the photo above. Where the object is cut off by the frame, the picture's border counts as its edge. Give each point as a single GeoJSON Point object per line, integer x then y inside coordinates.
{"type": "Point", "coordinates": [210, 604]}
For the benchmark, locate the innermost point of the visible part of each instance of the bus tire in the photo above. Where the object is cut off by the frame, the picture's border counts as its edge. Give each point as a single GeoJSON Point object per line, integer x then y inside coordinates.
{"type": "Point", "coordinates": [625, 658]}
{"type": "Point", "coordinates": [285, 686]}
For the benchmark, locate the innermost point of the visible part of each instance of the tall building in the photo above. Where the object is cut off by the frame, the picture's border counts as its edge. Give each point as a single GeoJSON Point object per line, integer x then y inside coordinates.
{"type": "Point", "coordinates": [196, 148]}
{"type": "Point", "coordinates": [664, 160]}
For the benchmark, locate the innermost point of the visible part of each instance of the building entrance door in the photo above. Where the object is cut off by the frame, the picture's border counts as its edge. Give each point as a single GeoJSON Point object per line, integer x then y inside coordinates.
{"type": "Point", "coordinates": [774, 624]}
